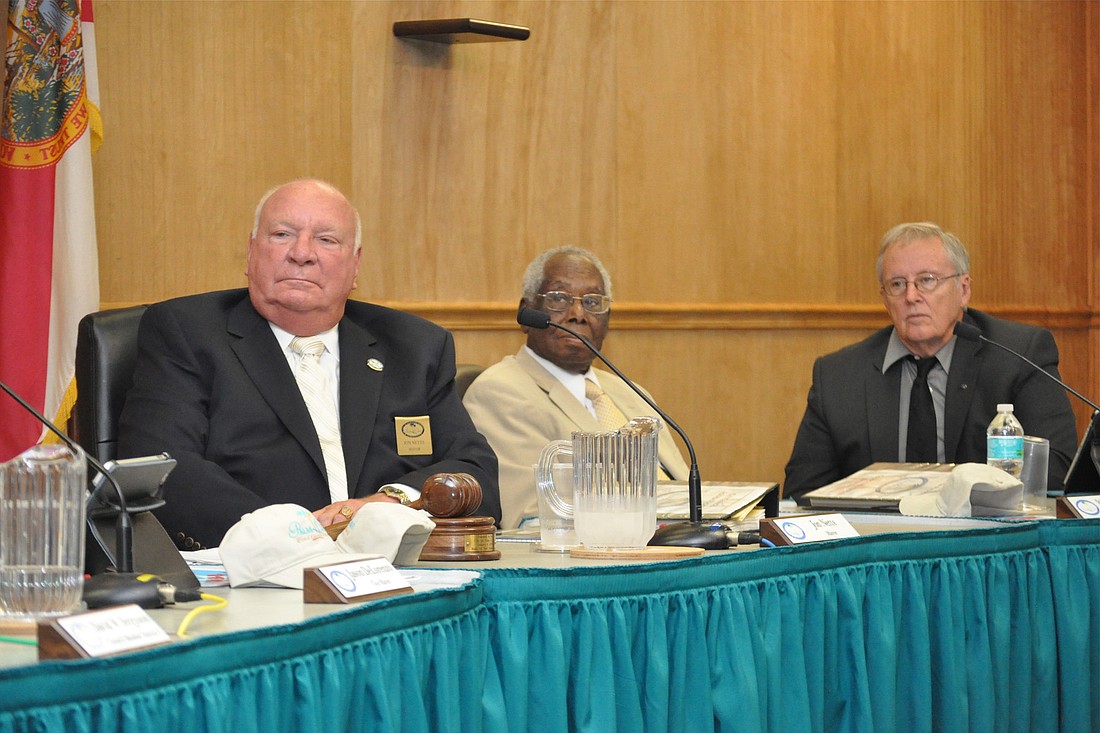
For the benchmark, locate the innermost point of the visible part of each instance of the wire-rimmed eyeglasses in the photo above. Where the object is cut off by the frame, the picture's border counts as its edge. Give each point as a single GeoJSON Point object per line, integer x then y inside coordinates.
{"type": "Point", "coordinates": [926, 282]}
{"type": "Point", "coordinates": [558, 301]}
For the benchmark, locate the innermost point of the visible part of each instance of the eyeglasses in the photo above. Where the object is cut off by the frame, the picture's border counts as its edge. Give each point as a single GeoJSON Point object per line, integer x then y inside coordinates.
{"type": "Point", "coordinates": [926, 282]}
{"type": "Point", "coordinates": [559, 301]}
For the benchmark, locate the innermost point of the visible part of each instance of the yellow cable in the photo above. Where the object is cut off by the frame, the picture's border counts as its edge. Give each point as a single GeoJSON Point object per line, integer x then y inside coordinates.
{"type": "Point", "coordinates": [219, 604]}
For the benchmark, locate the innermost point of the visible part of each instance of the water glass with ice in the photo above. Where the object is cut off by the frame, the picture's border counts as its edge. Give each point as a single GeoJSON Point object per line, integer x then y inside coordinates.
{"type": "Point", "coordinates": [554, 488]}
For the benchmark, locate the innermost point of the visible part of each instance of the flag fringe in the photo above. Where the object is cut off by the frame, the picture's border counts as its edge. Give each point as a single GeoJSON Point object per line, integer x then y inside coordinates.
{"type": "Point", "coordinates": [95, 124]}
{"type": "Point", "coordinates": [64, 413]}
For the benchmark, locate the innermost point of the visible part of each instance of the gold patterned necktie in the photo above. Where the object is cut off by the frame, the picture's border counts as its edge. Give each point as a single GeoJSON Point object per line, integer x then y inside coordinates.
{"type": "Point", "coordinates": [609, 416]}
{"type": "Point", "coordinates": [314, 383]}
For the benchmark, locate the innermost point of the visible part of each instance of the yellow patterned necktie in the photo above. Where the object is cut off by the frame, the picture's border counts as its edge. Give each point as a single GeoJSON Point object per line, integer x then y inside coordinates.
{"type": "Point", "coordinates": [609, 416]}
{"type": "Point", "coordinates": [314, 384]}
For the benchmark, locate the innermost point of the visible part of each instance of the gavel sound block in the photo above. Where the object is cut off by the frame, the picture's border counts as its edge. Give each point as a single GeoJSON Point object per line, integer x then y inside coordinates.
{"type": "Point", "coordinates": [457, 537]}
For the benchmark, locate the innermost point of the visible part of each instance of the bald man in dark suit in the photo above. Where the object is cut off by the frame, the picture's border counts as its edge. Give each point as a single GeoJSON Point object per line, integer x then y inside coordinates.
{"type": "Point", "coordinates": [215, 388]}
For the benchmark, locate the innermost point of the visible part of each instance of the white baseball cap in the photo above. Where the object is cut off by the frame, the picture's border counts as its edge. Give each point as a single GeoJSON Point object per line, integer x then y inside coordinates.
{"type": "Point", "coordinates": [394, 531]}
{"type": "Point", "coordinates": [972, 489]}
{"type": "Point", "coordinates": [274, 544]}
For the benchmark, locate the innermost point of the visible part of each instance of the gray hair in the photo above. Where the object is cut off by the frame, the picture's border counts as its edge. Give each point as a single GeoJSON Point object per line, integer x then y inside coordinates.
{"type": "Point", "coordinates": [904, 233]}
{"type": "Point", "coordinates": [535, 274]}
{"type": "Point", "coordinates": [321, 184]}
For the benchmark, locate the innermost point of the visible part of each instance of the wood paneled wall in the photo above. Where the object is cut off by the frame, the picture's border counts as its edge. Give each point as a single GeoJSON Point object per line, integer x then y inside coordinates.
{"type": "Point", "coordinates": [733, 163]}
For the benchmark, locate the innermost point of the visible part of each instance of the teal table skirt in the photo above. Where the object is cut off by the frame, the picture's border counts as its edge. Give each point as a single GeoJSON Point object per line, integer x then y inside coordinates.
{"type": "Point", "coordinates": [383, 666]}
{"type": "Point", "coordinates": [981, 630]}
{"type": "Point", "coordinates": [990, 630]}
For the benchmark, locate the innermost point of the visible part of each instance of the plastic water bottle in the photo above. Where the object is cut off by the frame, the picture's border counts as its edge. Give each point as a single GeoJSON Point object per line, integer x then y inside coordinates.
{"type": "Point", "coordinates": [1004, 441]}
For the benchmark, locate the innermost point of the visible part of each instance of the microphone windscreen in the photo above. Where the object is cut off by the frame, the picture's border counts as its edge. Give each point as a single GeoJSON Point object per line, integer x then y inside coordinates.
{"type": "Point", "coordinates": [966, 331]}
{"type": "Point", "coordinates": [532, 318]}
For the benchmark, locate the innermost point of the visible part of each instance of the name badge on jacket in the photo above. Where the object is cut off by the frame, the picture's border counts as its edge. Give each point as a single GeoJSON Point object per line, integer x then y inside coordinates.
{"type": "Point", "coordinates": [414, 436]}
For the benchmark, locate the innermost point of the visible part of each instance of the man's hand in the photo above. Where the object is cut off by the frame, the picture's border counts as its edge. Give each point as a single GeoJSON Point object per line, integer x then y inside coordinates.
{"type": "Point", "coordinates": [343, 511]}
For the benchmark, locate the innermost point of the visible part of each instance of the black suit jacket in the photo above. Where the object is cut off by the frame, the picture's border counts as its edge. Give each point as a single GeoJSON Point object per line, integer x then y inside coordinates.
{"type": "Point", "coordinates": [851, 417]}
{"type": "Point", "coordinates": [213, 389]}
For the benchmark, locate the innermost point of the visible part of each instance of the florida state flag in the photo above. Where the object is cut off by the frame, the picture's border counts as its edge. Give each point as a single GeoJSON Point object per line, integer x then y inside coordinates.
{"type": "Point", "coordinates": [49, 274]}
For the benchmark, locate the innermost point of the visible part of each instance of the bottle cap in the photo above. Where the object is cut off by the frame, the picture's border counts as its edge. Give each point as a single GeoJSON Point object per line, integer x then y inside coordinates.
{"type": "Point", "coordinates": [1004, 407]}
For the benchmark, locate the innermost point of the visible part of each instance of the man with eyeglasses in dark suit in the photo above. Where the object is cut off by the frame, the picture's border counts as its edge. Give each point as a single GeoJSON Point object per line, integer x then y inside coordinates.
{"type": "Point", "coordinates": [858, 408]}
{"type": "Point", "coordinates": [549, 388]}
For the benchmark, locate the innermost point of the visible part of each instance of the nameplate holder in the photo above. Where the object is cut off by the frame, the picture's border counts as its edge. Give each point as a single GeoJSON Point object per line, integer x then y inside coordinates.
{"type": "Point", "coordinates": [1078, 506]}
{"type": "Point", "coordinates": [353, 582]}
{"type": "Point", "coordinates": [806, 528]}
{"type": "Point", "coordinates": [101, 633]}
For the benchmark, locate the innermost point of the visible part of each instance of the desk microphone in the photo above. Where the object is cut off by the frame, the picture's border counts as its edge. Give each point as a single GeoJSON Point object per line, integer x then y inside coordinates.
{"type": "Point", "coordinates": [123, 586]}
{"type": "Point", "coordinates": [694, 533]}
{"type": "Point", "coordinates": [972, 333]}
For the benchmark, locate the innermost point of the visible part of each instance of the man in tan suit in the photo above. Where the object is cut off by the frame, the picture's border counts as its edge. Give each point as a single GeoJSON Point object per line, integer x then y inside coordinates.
{"type": "Point", "coordinates": [549, 389]}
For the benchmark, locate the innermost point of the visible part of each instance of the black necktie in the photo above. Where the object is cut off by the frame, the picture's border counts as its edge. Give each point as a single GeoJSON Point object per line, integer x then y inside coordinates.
{"type": "Point", "coordinates": [921, 441]}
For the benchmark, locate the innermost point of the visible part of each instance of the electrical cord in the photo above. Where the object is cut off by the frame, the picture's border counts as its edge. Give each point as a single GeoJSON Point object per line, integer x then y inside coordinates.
{"type": "Point", "coordinates": [176, 596]}
{"type": "Point", "coordinates": [218, 604]}
{"type": "Point", "coordinates": [180, 596]}
{"type": "Point", "coordinates": [744, 537]}
{"type": "Point", "coordinates": [18, 640]}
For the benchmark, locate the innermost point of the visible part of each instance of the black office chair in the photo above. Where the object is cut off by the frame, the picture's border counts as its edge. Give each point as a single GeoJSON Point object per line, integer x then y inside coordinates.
{"type": "Point", "coordinates": [106, 354]}
{"type": "Point", "coordinates": [465, 376]}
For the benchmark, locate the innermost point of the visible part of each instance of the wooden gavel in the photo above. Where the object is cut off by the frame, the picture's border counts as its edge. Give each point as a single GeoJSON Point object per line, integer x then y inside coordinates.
{"type": "Point", "coordinates": [442, 495]}
{"type": "Point", "coordinates": [449, 495]}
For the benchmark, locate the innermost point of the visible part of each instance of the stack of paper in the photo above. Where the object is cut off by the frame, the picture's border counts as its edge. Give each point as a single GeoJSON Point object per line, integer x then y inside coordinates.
{"type": "Point", "coordinates": [880, 486]}
{"type": "Point", "coordinates": [732, 501]}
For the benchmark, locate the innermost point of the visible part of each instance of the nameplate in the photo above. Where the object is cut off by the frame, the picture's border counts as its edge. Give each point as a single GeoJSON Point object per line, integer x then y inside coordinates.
{"type": "Point", "coordinates": [353, 582]}
{"type": "Point", "coordinates": [99, 633]}
{"type": "Point", "coordinates": [1079, 507]}
{"type": "Point", "coordinates": [806, 528]}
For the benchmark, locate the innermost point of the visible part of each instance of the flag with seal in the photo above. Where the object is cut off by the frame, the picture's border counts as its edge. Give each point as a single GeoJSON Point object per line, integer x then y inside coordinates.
{"type": "Point", "coordinates": [49, 275]}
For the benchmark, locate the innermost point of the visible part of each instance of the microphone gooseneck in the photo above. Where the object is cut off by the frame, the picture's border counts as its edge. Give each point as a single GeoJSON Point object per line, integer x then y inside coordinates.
{"type": "Point", "coordinates": [693, 534]}
{"type": "Point", "coordinates": [972, 333]}
{"type": "Point", "coordinates": [124, 533]}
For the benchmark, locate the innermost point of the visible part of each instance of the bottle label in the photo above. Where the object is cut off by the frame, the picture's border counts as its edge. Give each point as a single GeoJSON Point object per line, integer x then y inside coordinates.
{"type": "Point", "coordinates": [1005, 448]}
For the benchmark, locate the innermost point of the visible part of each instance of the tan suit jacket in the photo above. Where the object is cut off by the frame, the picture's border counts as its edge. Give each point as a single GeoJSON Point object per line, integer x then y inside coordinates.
{"type": "Point", "coordinates": [520, 407]}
